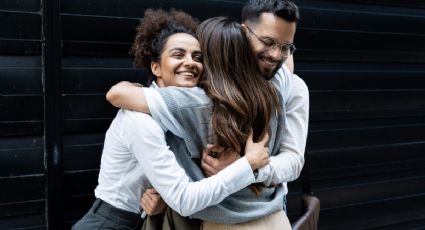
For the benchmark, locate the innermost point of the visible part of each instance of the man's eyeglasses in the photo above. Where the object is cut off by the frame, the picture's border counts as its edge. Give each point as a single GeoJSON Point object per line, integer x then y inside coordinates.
{"type": "Point", "coordinates": [285, 49]}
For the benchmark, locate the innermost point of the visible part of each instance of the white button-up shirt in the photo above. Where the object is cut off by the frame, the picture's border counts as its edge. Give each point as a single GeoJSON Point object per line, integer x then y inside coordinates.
{"type": "Point", "coordinates": [135, 157]}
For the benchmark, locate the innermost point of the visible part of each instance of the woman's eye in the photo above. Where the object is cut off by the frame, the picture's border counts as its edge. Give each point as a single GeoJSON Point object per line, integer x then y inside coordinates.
{"type": "Point", "coordinates": [178, 55]}
{"type": "Point", "coordinates": [198, 58]}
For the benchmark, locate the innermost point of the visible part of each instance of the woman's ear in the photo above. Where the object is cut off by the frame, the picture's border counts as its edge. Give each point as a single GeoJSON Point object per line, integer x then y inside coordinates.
{"type": "Point", "coordinates": [156, 69]}
{"type": "Point", "coordinates": [243, 26]}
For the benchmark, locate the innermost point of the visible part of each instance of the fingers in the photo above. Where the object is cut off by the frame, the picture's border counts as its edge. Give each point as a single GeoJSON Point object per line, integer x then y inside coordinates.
{"type": "Point", "coordinates": [154, 197]}
{"type": "Point", "coordinates": [208, 170]}
{"type": "Point", "coordinates": [250, 136]}
{"type": "Point", "coordinates": [215, 148]}
{"type": "Point", "coordinates": [265, 139]}
{"type": "Point", "coordinates": [263, 160]}
{"type": "Point", "coordinates": [207, 163]}
{"type": "Point", "coordinates": [146, 205]}
{"type": "Point", "coordinates": [212, 166]}
{"type": "Point", "coordinates": [151, 202]}
{"type": "Point", "coordinates": [151, 191]}
{"type": "Point", "coordinates": [151, 196]}
{"type": "Point", "coordinates": [211, 161]}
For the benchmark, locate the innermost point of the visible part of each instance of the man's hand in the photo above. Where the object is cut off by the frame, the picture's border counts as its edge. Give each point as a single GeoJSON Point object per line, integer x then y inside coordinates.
{"type": "Point", "coordinates": [152, 202]}
{"type": "Point", "coordinates": [256, 153]}
{"type": "Point", "coordinates": [211, 165]}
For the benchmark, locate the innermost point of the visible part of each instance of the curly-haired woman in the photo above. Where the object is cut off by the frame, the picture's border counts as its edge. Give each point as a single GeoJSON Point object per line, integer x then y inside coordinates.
{"type": "Point", "coordinates": [135, 155]}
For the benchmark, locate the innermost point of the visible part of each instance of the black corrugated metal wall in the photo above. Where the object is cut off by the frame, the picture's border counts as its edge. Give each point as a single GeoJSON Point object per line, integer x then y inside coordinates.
{"type": "Point", "coordinates": [22, 177]}
{"type": "Point", "coordinates": [362, 60]}
{"type": "Point", "coordinates": [364, 65]}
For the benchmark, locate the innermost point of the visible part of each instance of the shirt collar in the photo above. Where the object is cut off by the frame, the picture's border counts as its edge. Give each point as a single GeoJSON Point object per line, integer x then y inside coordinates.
{"type": "Point", "coordinates": [154, 85]}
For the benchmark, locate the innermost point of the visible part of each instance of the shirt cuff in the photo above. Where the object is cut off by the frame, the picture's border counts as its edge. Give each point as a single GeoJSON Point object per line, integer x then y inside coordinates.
{"type": "Point", "coordinates": [263, 175]}
{"type": "Point", "coordinates": [239, 174]}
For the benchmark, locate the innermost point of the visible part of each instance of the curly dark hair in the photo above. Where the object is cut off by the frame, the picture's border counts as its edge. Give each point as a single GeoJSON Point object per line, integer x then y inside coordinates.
{"type": "Point", "coordinates": [153, 32]}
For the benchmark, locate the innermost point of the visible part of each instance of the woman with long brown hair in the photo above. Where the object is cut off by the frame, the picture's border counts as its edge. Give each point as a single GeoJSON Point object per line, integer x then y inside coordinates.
{"type": "Point", "coordinates": [233, 98]}
{"type": "Point", "coordinates": [135, 156]}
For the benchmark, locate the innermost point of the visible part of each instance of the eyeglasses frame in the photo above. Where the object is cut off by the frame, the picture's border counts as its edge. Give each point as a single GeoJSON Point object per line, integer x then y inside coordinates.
{"type": "Point", "coordinates": [284, 48]}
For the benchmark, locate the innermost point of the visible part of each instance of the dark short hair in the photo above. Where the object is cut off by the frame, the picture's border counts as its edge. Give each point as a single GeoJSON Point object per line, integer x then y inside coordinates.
{"type": "Point", "coordinates": [285, 9]}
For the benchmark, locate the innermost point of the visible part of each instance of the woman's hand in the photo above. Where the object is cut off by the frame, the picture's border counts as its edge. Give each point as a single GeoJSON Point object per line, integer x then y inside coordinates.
{"type": "Point", "coordinates": [152, 202]}
{"type": "Point", "coordinates": [214, 159]}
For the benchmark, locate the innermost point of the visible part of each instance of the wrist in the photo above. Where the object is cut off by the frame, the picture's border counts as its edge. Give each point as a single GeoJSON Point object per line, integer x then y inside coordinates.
{"type": "Point", "coordinates": [252, 163]}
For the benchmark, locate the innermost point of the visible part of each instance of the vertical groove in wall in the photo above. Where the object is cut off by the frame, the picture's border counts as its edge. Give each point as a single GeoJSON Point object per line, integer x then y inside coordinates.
{"type": "Point", "coordinates": [53, 112]}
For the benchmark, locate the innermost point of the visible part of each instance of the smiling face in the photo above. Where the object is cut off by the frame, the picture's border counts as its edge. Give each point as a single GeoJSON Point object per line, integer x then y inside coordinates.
{"type": "Point", "coordinates": [180, 63]}
{"type": "Point", "coordinates": [270, 27]}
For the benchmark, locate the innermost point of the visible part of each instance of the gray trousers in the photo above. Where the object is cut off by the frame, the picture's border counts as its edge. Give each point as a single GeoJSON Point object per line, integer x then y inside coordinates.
{"type": "Point", "coordinates": [105, 216]}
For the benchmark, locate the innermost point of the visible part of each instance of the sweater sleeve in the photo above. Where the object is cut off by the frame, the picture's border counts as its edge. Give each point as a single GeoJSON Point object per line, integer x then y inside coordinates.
{"type": "Point", "coordinates": [186, 112]}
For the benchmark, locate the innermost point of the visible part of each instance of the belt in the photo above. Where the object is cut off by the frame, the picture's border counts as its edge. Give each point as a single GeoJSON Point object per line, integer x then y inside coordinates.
{"type": "Point", "coordinates": [120, 216]}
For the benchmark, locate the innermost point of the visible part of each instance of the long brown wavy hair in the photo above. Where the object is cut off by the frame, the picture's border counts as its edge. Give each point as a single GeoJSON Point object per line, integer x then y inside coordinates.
{"type": "Point", "coordinates": [242, 98]}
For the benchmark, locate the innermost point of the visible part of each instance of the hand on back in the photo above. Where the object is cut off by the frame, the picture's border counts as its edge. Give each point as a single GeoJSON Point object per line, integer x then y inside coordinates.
{"type": "Point", "coordinates": [214, 159]}
{"type": "Point", "coordinates": [152, 202]}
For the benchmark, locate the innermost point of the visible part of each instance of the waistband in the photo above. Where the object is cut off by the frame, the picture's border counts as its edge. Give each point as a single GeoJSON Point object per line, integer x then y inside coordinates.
{"type": "Point", "coordinates": [130, 219]}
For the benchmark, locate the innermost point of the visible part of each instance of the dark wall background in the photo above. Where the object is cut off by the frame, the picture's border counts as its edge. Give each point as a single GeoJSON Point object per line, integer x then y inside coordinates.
{"type": "Point", "coordinates": [364, 64]}
{"type": "Point", "coordinates": [362, 60]}
{"type": "Point", "coordinates": [22, 172]}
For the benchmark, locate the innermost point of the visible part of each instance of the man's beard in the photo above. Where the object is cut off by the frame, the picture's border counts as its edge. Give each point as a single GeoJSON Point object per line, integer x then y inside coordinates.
{"type": "Point", "coordinates": [270, 75]}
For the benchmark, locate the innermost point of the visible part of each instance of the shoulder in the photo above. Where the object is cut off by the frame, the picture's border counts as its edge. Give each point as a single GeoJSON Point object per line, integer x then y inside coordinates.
{"type": "Point", "coordinates": [185, 97]}
{"type": "Point", "coordinates": [281, 78]}
{"type": "Point", "coordinates": [137, 122]}
{"type": "Point", "coordinates": [298, 83]}
{"type": "Point", "coordinates": [183, 91]}
{"type": "Point", "coordinates": [289, 84]}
